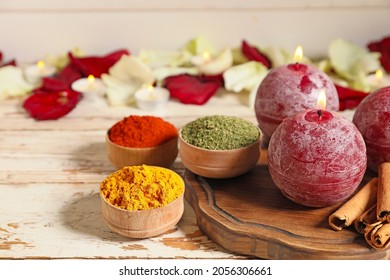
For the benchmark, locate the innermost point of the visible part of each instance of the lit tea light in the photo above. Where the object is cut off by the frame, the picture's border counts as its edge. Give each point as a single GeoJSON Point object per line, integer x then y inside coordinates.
{"type": "Point", "coordinates": [379, 75]}
{"type": "Point", "coordinates": [152, 98]}
{"type": "Point", "coordinates": [35, 72]}
{"type": "Point", "coordinates": [208, 64]}
{"type": "Point", "coordinates": [91, 78]}
{"type": "Point", "coordinates": [198, 60]}
{"type": "Point", "coordinates": [89, 85]}
{"type": "Point", "coordinates": [378, 80]}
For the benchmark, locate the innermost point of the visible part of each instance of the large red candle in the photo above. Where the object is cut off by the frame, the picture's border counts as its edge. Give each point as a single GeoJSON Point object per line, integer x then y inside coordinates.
{"type": "Point", "coordinates": [372, 118]}
{"type": "Point", "coordinates": [317, 158]}
{"type": "Point", "coordinates": [288, 90]}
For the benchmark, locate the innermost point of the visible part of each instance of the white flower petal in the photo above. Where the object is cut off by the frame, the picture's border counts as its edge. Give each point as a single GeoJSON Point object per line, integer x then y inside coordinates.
{"type": "Point", "coordinates": [129, 68]}
{"type": "Point", "coordinates": [163, 72]}
{"type": "Point", "coordinates": [12, 82]}
{"type": "Point", "coordinates": [156, 59]}
{"type": "Point", "coordinates": [245, 76]}
{"type": "Point", "coordinates": [217, 65]}
{"type": "Point", "coordinates": [119, 93]}
{"type": "Point", "coordinates": [351, 61]}
{"type": "Point", "coordinates": [200, 45]}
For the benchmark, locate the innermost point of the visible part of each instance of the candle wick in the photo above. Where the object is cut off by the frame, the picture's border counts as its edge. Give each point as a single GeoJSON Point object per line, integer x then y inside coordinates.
{"type": "Point", "coordinates": [319, 112]}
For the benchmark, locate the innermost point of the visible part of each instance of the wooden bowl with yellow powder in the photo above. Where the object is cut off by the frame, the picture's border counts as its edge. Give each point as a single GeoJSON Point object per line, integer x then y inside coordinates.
{"type": "Point", "coordinates": [137, 140]}
{"type": "Point", "coordinates": [142, 201]}
{"type": "Point", "coordinates": [219, 146]}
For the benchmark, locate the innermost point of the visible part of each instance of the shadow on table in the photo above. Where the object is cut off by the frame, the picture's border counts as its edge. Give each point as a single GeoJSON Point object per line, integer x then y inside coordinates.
{"type": "Point", "coordinates": [83, 215]}
{"type": "Point", "coordinates": [92, 158]}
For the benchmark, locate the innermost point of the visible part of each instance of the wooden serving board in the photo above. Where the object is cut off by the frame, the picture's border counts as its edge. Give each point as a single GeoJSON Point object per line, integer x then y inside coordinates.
{"type": "Point", "coordinates": [249, 215]}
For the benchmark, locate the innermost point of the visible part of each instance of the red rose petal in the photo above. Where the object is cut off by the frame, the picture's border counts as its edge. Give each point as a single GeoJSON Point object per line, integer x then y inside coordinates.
{"type": "Point", "coordinates": [383, 47]}
{"type": "Point", "coordinates": [69, 74]}
{"type": "Point", "coordinates": [191, 89]}
{"type": "Point", "coordinates": [63, 80]}
{"type": "Point", "coordinates": [11, 62]}
{"type": "Point", "coordinates": [52, 84]}
{"type": "Point", "coordinates": [349, 98]}
{"type": "Point", "coordinates": [43, 105]}
{"type": "Point", "coordinates": [94, 65]}
{"type": "Point", "coordinates": [218, 79]}
{"type": "Point", "coordinates": [253, 54]}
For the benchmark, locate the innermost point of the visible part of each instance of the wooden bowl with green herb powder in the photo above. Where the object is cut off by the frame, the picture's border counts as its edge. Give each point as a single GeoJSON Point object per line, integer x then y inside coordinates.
{"type": "Point", "coordinates": [219, 146]}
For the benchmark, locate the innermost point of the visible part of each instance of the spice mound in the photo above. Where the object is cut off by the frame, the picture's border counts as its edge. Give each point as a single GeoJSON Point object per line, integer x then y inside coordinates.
{"type": "Point", "coordinates": [142, 132]}
{"type": "Point", "coordinates": [220, 133]}
{"type": "Point", "coordinates": [142, 187]}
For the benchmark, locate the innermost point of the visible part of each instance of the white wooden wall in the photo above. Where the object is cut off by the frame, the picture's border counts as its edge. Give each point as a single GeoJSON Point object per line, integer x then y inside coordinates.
{"type": "Point", "coordinates": [31, 29]}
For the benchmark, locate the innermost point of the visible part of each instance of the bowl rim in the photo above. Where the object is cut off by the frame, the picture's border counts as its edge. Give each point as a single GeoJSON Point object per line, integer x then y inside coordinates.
{"type": "Point", "coordinates": [257, 142]}
{"type": "Point", "coordinates": [174, 139]}
{"type": "Point", "coordinates": [180, 197]}
{"type": "Point", "coordinates": [152, 209]}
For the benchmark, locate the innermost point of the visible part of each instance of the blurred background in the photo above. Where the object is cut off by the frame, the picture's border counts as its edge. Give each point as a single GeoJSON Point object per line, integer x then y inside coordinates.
{"type": "Point", "coordinates": [30, 30]}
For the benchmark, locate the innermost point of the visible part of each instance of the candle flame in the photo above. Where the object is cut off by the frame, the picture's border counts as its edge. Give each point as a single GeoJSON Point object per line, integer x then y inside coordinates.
{"type": "Point", "coordinates": [91, 78]}
{"type": "Point", "coordinates": [150, 88]}
{"type": "Point", "coordinates": [379, 75]}
{"type": "Point", "coordinates": [41, 64]}
{"type": "Point", "coordinates": [298, 54]}
{"type": "Point", "coordinates": [206, 56]}
{"type": "Point", "coordinates": [321, 102]}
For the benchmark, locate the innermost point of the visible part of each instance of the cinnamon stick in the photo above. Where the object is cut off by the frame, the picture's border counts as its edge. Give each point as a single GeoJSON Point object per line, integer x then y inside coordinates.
{"type": "Point", "coordinates": [379, 236]}
{"type": "Point", "coordinates": [367, 221]}
{"type": "Point", "coordinates": [383, 208]}
{"type": "Point", "coordinates": [355, 206]}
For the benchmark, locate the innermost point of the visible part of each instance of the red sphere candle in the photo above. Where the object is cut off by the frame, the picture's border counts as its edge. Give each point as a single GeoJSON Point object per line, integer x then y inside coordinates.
{"type": "Point", "coordinates": [288, 90]}
{"type": "Point", "coordinates": [372, 118]}
{"type": "Point", "coordinates": [317, 158]}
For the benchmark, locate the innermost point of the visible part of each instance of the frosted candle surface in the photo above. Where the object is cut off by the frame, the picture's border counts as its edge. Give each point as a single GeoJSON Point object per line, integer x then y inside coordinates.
{"type": "Point", "coordinates": [288, 90]}
{"type": "Point", "coordinates": [372, 118]}
{"type": "Point", "coordinates": [317, 159]}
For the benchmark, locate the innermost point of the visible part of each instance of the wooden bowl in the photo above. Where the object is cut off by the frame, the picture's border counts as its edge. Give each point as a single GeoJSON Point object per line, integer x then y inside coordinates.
{"type": "Point", "coordinates": [143, 223]}
{"type": "Point", "coordinates": [163, 155]}
{"type": "Point", "coordinates": [219, 164]}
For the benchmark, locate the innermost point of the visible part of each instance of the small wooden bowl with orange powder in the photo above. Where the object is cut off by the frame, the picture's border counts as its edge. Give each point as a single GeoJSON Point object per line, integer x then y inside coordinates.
{"type": "Point", "coordinates": [139, 140]}
{"type": "Point", "coordinates": [142, 201]}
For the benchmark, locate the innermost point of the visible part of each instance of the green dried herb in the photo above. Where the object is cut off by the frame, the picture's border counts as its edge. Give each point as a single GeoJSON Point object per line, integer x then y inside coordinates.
{"type": "Point", "coordinates": [220, 132]}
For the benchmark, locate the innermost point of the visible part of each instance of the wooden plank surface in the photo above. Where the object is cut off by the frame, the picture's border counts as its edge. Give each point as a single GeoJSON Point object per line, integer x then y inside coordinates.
{"type": "Point", "coordinates": [50, 173]}
{"type": "Point", "coordinates": [249, 215]}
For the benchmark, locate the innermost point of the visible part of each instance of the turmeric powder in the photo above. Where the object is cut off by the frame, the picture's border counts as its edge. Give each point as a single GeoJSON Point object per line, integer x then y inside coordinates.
{"type": "Point", "coordinates": [142, 187]}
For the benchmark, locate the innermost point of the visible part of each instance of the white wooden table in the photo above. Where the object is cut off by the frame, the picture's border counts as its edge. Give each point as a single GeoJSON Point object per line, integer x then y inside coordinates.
{"type": "Point", "coordinates": [50, 172]}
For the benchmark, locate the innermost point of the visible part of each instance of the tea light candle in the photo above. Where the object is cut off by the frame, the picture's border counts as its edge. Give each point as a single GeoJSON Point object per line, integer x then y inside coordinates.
{"type": "Point", "coordinates": [213, 65]}
{"type": "Point", "coordinates": [372, 118]}
{"type": "Point", "coordinates": [152, 98]}
{"type": "Point", "coordinates": [378, 80]}
{"type": "Point", "coordinates": [35, 72]}
{"type": "Point", "coordinates": [289, 89]}
{"type": "Point", "coordinates": [317, 157]}
{"type": "Point", "coordinates": [89, 85]}
{"type": "Point", "coordinates": [198, 60]}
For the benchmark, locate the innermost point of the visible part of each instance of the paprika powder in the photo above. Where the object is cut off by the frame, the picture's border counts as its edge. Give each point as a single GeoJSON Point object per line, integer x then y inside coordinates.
{"type": "Point", "coordinates": [142, 132]}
